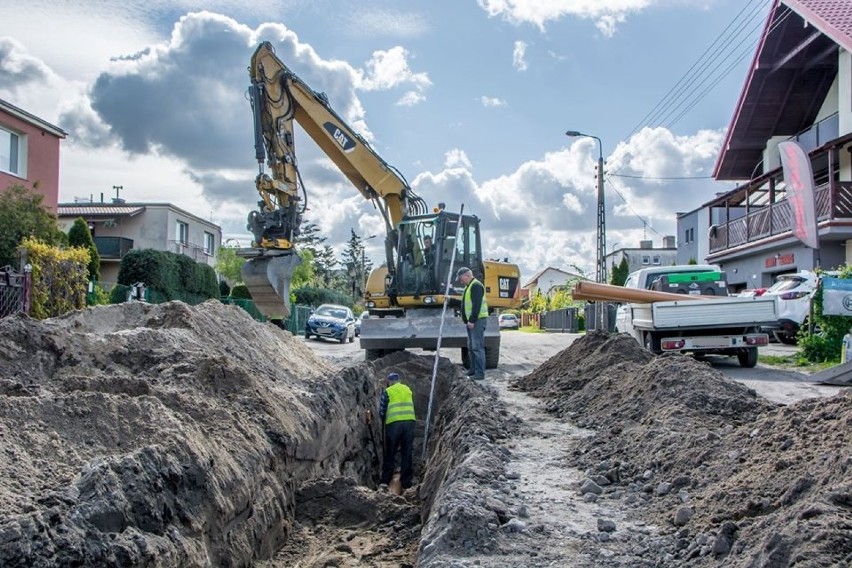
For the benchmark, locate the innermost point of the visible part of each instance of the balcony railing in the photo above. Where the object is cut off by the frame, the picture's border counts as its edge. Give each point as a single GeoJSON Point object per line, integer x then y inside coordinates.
{"type": "Point", "coordinates": [193, 251]}
{"type": "Point", "coordinates": [113, 248]}
{"type": "Point", "coordinates": [776, 218]}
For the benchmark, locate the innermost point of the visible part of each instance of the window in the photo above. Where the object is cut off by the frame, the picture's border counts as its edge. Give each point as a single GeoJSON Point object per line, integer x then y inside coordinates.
{"type": "Point", "coordinates": [182, 233]}
{"type": "Point", "coordinates": [691, 235]}
{"type": "Point", "coordinates": [209, 243]}
{"type": "Point", "coordinates": [686, 236]}
{"type": "Point", "coordinates": [656, 260]}
{"type": "Point", "coordinates": [12, 153]}
{"type": "Point", "coordinates": [646, 260]}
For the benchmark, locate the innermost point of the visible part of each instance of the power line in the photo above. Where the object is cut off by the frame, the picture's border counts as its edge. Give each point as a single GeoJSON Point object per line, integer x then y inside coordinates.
{"type": "Point", "coordinates": [635, 214]}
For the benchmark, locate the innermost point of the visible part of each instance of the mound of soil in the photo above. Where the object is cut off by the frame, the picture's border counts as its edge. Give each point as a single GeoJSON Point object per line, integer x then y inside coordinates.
{"type": "Point", "coordinates": [725, 477]}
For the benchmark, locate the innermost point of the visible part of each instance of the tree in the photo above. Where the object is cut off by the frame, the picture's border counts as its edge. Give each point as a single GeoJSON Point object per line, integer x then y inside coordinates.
{"type": "Point", "coordinates": [229, 265]}
{"type": "Point", "coordinates": [353, 260]}
{"type": "Point", "coordinates": [620, 273]}
{"type": "Point", "coordinates": [80, 236]}
{"type": "Point", "coordinates": [23, 215]}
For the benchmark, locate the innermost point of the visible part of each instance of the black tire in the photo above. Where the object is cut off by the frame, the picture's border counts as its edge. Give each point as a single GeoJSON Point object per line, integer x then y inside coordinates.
{"type": "Point", "coordinates": [373, 354]}
{"type": "Point", "coordinates": [344, 337]}
{"type": "Point", "coordinates": [307, 336]}
{"type": "Point", "coordinates": [748, 359]}
{"type": "Point", "coordinates": [652, 343]}
{"type": "Point", "coordinates": [784, 338]}
{"type": "Point", "coordinates": [492, 357]}
{"type": "Point", "coordinates": [351, 339]}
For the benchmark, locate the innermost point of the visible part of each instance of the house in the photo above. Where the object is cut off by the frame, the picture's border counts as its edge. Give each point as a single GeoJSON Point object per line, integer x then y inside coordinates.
{"type": "Point", "coordinates": [798, 88]}
{"type": "Point", "coordinates": [29, 153]}
{"type": "Point", "coordinates": [645, 255]}
{"type": "Point", "coordinates": [545, 281]}
{"type": "Point", "coordinates": [119, 227]}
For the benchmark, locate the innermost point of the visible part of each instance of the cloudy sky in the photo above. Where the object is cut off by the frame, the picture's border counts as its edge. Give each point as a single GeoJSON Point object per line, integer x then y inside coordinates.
{"type": "Point", "coordinates": [468, 99]}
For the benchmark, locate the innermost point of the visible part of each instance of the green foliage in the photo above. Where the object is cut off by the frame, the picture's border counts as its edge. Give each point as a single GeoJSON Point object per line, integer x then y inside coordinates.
{"type": "Point", "coordinates": [303, 275]}
{"type": "Point", "coordinates": [23, 215]}
{"type": "Point", "coordinates": [561, 299]}
{"type": "Point", "coordinates": [538, 302]}
{"type": "Point", "coordinates": [620, 273]}
{"type": "Point", "coordinates": [98, 297]}
{"type": "Point", "coordinates": [308, 296]}
{"type": "Point", "coordinates": [229, 265]}
{"type": "Point", "coordinates": [241, 291]}
{"type": "Point", "coordinates": [80, 236]}
{"type": "Point", "coordinates": [59, 278]}
{"type": "Point", "coordinates": [825, 345]}
{"type": "Point", "coordinates": [692, 261]}
{"type": "Point", "coordinates": [169, 276]}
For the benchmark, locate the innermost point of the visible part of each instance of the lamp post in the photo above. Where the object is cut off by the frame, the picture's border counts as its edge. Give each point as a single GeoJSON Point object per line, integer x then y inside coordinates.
{"type": "Point", "coordinates": [600, 257]}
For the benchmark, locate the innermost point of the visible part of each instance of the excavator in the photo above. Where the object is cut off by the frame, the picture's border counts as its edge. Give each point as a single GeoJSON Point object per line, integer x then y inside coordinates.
{"type": "Point", "coordinates": [421, 244]}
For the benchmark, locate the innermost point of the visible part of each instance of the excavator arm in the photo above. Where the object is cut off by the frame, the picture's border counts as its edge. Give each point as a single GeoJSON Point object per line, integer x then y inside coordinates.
{"type": "Point", "coordinates": [278, 99]}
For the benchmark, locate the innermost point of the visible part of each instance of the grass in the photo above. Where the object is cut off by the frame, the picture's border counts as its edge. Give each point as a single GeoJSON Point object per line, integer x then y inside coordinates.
{"type": "Point", "coordinates": [530, 329]}
{"type": "Point", "coordinates": [791, 362]}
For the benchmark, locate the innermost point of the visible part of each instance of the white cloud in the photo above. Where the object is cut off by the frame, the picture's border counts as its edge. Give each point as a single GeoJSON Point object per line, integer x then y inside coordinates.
{"type": "Point", "coordinates": [457, 158]}
{"type": "Point", "coordinates": [388, 69]}
{"type": "Point", "coordinates": [411, 98]}
{"type": "Point", "coordinates": [492, 102]}
{"type": "Point", "coordinates": [607, 14]}
{"type": "Point", "coordinates": [519, 56]}
{"type": "Point", "coordinates": [366, 21]}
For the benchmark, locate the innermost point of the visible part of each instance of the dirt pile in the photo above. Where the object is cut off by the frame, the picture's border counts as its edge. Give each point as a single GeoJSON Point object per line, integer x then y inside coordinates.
{"type": "Point", "coordinates": [720, 476]}
{"type": "Point", "coordinates": [167, 435]}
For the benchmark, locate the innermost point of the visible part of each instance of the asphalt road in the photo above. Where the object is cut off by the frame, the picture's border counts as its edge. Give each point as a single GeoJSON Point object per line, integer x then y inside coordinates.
{"type": "Point", "coordinates": [522, 352]}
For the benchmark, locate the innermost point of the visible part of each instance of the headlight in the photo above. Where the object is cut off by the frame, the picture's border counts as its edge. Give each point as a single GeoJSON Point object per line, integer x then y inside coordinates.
{"type": "Point", "coordinates": [429, 300]}
{"type": "Point", "coordinates": [371, 304]}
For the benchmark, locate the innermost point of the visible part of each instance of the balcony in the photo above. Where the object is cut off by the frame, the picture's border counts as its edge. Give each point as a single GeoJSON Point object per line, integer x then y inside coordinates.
{"type": "Point", "coordinates": [193, 251]}
{"type": "Point", "coordinates": [776, 218]}
{"type": "Point", "coordinates": [113, 248]}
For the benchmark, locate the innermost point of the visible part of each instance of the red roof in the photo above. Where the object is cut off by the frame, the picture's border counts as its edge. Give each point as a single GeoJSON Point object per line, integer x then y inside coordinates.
{"type": "Point", "coordinates": [792, 71]}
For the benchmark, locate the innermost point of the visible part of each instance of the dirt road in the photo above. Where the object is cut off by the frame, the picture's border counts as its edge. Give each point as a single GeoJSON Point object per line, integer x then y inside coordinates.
{"type": "Point", "coordinates": [521, 352]}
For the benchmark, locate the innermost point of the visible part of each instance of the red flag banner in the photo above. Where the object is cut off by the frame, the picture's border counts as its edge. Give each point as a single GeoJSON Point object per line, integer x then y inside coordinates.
{"type": "Point", "coordinates": [800, 192]}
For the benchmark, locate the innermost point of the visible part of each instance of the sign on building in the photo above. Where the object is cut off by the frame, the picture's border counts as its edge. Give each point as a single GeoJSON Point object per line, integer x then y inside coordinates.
{"type": "Point", "coordinates": [837, 296]}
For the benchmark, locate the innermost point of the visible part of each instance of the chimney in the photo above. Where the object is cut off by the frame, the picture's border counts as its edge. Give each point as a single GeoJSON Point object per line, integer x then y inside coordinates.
{"type": "Point", "coordinates": [669, 242]}
{"type": "Point", "coordinates": [646, 244]}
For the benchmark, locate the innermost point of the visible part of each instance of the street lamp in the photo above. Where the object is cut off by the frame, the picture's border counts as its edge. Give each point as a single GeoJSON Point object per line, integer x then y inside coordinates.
{"type": "Point", "coordinates": [600, 257]}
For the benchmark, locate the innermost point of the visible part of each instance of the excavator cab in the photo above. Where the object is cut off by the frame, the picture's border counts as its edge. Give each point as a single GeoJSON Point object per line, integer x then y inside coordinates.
{"type": "Point", "coordinates": [428, 246]}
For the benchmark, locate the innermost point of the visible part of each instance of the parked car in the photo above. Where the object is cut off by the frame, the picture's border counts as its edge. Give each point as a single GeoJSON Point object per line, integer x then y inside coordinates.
{"type": "Point", "coordinates": [793, 293]}
{"type": "Point", "coordinates": [509, 321]}
{"type": "Point", "coordinates": [364, 315]}
{"type": "Point", "coordinates": [332, 322]}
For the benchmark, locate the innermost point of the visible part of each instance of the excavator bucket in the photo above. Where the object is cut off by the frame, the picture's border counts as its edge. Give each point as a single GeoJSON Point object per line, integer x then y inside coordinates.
{"type": "Point", "coordinates": [268, 281]}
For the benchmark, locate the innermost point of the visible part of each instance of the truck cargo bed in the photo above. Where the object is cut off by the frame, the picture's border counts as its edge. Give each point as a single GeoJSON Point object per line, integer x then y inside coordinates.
{"type": "Point", "coordinates": [721, 313]}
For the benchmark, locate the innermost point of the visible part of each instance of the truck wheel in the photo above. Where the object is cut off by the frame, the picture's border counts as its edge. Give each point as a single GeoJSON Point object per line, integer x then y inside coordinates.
{"type": "Point", "coordinates": [784, 338]}
{"type": "Point", "coordinates": [373, 354]}
{"type": "Point", "coordinates": [492, 357]}
{"type": "Point", "coordinates": [652, 344]}
{"type": "Point", "coordinates": [748, 359]}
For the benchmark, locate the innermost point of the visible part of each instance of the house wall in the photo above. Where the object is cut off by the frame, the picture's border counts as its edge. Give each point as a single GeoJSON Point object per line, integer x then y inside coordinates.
{"type": "Point", "coordinates": [42, 160]}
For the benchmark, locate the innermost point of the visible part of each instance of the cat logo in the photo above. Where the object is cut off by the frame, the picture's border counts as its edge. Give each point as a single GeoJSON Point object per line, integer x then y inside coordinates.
{"type": "Point", "coordinates": [346, 143]}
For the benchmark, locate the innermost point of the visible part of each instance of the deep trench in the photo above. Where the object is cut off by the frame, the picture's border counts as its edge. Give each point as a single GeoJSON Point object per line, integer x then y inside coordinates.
{"type": "Point", "coordinates": [353, 521]}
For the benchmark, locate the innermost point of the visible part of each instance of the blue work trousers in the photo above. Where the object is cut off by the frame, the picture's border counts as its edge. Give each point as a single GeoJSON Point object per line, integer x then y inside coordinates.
{"type": "Point", "coordinates": [476, 347]}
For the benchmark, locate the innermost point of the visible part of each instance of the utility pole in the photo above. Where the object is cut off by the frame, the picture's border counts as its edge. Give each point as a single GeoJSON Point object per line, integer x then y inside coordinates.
{"type": "Point", "coordinates": [600, 255]}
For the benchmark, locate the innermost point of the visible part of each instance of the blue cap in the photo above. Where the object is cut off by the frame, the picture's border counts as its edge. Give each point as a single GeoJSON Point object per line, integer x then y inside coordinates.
{"type": "Point", "coordinates": [393, 377]}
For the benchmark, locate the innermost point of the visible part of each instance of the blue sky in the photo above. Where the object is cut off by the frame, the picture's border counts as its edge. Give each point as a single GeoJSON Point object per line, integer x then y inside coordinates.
{"type": "Point", "coordinates": [469, 99]}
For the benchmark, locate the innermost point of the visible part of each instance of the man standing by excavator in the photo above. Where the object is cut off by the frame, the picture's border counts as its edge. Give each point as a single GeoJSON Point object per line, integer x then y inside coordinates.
{"type": "Point", "coordinates": [397, 413]}
{"type": "Point", "coordinates": [474, 312]}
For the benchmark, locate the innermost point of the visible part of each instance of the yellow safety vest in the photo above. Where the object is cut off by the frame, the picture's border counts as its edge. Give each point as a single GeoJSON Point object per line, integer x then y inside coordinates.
{"type": "Point", "coordinates": [468, 304]}
{"type": "Point", "coordinates": [400, 404]}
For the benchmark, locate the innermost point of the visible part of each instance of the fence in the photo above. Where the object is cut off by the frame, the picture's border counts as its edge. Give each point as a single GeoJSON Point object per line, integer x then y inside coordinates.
{"type": "Point", "coordinates": [564, 320]}
{"type": "Point", "coordinates": [14, 291]}
{"type": "Point", "coordinates": [591, 316]}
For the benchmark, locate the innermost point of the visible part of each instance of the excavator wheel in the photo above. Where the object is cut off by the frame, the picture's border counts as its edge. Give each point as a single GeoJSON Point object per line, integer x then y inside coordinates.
{"type": "Point", "coordinates": [373, 354]}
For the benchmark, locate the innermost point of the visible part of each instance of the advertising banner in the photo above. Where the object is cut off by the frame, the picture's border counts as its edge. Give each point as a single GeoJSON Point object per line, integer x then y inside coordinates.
{"type": "Point", "coordinates": [837, 296]}
{"type": "Point", "coordinates": [800, 192]}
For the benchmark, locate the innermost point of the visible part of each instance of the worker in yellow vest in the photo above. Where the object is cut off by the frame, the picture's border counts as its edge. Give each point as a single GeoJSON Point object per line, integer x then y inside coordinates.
{"type": "Point", "coordinates": [474, 312]}
{"type": "Point", "coordinates": [397, 413]}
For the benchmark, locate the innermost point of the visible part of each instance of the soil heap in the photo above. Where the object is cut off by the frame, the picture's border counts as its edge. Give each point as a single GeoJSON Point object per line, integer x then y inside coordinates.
{"type": "Point", "coordinates": [721, 476]}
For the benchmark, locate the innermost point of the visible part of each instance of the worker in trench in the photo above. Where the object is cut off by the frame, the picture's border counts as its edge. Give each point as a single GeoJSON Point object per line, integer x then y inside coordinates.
{"type": "Point", "coordinates": [396, 411]}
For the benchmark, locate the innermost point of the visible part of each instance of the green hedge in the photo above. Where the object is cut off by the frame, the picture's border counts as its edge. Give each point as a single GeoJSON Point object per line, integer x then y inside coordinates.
{"type": "Point", "coordinates": [167, 276]}
{"type": "Point", "coordinates": [307, 296]}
